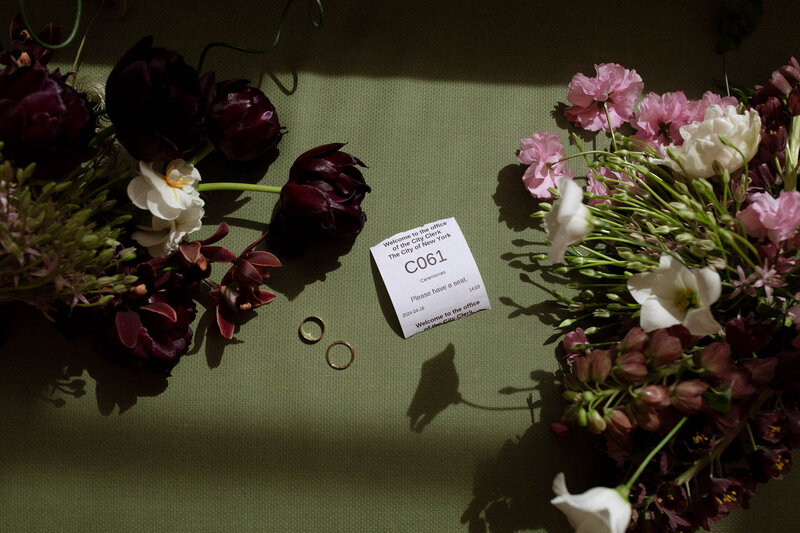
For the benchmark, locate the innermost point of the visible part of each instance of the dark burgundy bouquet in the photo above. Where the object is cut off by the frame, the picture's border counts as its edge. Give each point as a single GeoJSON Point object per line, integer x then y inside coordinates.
{"type": "Point", "coordinates": [99, 193]}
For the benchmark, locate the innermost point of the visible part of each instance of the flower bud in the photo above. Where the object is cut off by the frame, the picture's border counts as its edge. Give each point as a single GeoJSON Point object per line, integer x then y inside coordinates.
{"type": "Point", "coordinates": [687, 396]}
{"type": "Point", "coordinates": [617, 421]}
{"type": "Point", "coordinates": [715, 358]}
{"type": "Point", "coordinates": [599, 365]}
{"type": "Point", "coordinates": [595, 422]}
{"type": "Point", "coordinates": [322, 200]}
{"type": "Point", "coordinates": [580, 368]}
{"type": "Point", "coordinates": [664, 349]}
{"type": "Point", "coordinates": [634, 341]}
{"type": "Point", "coordinates": [240, 120]}
{"type": "Point", "coordinates": [654, 396]}
{"type": "Point", "coordinates": [154, 100]}
{"type": "Point", "coordinates": [630, 367]}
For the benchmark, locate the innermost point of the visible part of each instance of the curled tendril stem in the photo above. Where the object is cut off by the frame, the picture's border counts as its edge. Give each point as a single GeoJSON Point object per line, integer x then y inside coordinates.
{"type": "Point", "coordinates": [316, 22]}
{"type": "Point", "coordinates": [49, 46]}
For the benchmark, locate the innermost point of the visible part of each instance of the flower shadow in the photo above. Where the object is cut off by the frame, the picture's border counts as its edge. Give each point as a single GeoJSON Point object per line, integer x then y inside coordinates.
{"type": "Point", "coordinates": [437, 389]}
{"type": "Point", "coordinates": [512, 199]}
{"type": "Point", "coordinates": [32, 371]}
{"type": "Point", "coordinates": [511, 491]}
{"type": "Point", "coordinates": [312, 265]}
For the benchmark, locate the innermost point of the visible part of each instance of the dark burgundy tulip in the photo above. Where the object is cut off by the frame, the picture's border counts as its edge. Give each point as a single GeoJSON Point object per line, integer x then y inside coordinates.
{"type": "Point", "coordinates": [43, 120]}
{"type": "Point", "coordinates": [154, 101]}
{"type": "Point", "coordinates": [241, 121]}
{"type": "Point", "coordinates": [321, 201]}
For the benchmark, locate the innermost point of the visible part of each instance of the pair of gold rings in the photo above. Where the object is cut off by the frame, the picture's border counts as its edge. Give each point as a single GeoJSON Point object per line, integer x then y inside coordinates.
{"type": "Point", "coordinates": [311, 339]}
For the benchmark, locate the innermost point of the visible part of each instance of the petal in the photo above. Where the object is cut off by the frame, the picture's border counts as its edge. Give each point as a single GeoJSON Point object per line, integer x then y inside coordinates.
{"type": "Point", "coordinates": [138, 189]}
{"type": "Point", "coordinates": [654, 316]}
{"type": "Point", "coordinates": [641, 285]}
{"type": "Point", "coordinates": [162, 309]}
{"type": "Point", "coordinates": [709, 286]}
{"type": "Point", "coordinates": [701, 322]}
{"type": "Point", "coordinates": [128, 323]}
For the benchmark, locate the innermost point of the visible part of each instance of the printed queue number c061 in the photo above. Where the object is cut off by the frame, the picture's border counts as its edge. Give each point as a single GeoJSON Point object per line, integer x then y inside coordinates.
{"type": "Point", "coordinates": [424, 261]}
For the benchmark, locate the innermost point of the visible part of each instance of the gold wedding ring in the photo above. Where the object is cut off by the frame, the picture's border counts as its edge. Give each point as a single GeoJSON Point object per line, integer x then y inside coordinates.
{"type": "Point", "coordinates": [334, 365]}
{"type": "Point", "coordinates": [308, 337]}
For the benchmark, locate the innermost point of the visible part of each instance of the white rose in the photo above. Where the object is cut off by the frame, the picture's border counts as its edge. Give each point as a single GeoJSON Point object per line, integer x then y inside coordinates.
{"type": "Point", "coordinates": [164, 236]}
{"type": "Point", "coordinates": [702, 145]}
{"type": "Point", "coordinates": [598, 510]}
{"type": "Point", "coordinates": [165, 195]}
{"type": "Point", "coordinates": [567, 223]}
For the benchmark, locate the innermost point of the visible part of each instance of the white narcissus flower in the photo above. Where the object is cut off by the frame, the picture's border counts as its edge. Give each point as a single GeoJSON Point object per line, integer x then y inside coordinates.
{"type": "Point", "coordinates": [702, 146]}
{"type": "Point", "coordinates": [164, 236]}
{"type": "Point", "coordinates": [568, 222]}
{"type": "Point", "coordinates": [598, 510]}
{"type": "Point", "coordinates": [166, 195]}
{"type": "Point", "coordinates": [674, 294]}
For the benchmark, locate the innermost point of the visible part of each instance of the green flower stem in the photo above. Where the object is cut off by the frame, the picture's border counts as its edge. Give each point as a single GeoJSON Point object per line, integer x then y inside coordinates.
{"type": "Point", "coordinates": [102, 136]}
{"type": "Point", "coordinates": [229, 186]}
{"type": "Point", "coordinates": [48, 45]}
{"type": "Point", "coordinates": [610, 128]}
{"type": "Point", "coordinates": [653, 452]}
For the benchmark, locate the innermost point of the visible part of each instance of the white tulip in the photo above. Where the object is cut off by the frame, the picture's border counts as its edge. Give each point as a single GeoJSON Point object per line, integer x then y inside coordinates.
{"type": "Point", "coordinates": [567, 223]}
{"type": "Point", "coordinates": [702, 144]}
{"type": "Point", "coordinates": [598, 510]}
{"type": "Point", "coordinates": [674, 294]}
{"type": "Point", "coordinates": [165, 195]}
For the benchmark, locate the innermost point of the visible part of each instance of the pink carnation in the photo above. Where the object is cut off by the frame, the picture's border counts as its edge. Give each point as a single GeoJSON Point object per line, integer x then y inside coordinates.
{"type": "Point", "coordinates": [542, 151]}
{"type": "Point", "coordinates": [697, 108]}
{"type": "Point", "coordinates": [778, 219]}
{"type": "Point", "coordinates": [659, 117]}
{"type": "Point", "coordinates": [614, 85]}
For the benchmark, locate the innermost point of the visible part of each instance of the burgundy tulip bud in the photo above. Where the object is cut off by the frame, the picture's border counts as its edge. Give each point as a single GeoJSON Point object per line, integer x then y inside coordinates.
{"type": "Point", "coordinates": [43, 121]}
{"type": "Point", "coordinates": [154, 101]}
{"type": "Point", "coordinates": [664, 349]}
{"type": "Point", "coordinates": [580, 368]}
{"type": "Point", "coordinates": [240, 120]}
{"type": "Point", "coordinates": [595, 422]}
{"type": "Point", "coordinates": [740, 383]}
{"type": "Point", "coordinates": [654, 395]}
{"type": "Point", "coordinates": [573, 340]}
{"type": "Point", "coordinates": [716, 359]}
{"type": "Point", "coordinates": [647, 417]}
{"type": "Point", "coordinates": [618, 422]}
{"type": "Point", "coordinates": [687, 396]}
{"type": "Point", "coordinates": [630, 367]}
{"type": "Point", "coordinates": [634, 341]}
{"type": "Point", "coordinates": [321, 201]}
{"type": "Point", "coordinates": [761, 370]}
{"type": "Point", "coordinates": [599, 365]}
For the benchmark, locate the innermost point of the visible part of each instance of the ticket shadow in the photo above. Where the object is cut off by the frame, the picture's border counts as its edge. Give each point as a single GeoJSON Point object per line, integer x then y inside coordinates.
{"type": "Point", "coordinates": [385, 301]}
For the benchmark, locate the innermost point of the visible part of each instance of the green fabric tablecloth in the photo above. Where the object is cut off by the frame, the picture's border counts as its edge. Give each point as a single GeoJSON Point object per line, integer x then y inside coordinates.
{"type": "Point", "coordinates": [260, 434]}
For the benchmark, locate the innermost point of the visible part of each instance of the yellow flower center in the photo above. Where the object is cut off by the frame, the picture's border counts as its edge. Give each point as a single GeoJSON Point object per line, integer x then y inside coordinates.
{"type": "Point", "coordinates": [174, 178]}
{"type": "Point", "coordinates": [686, 299]}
